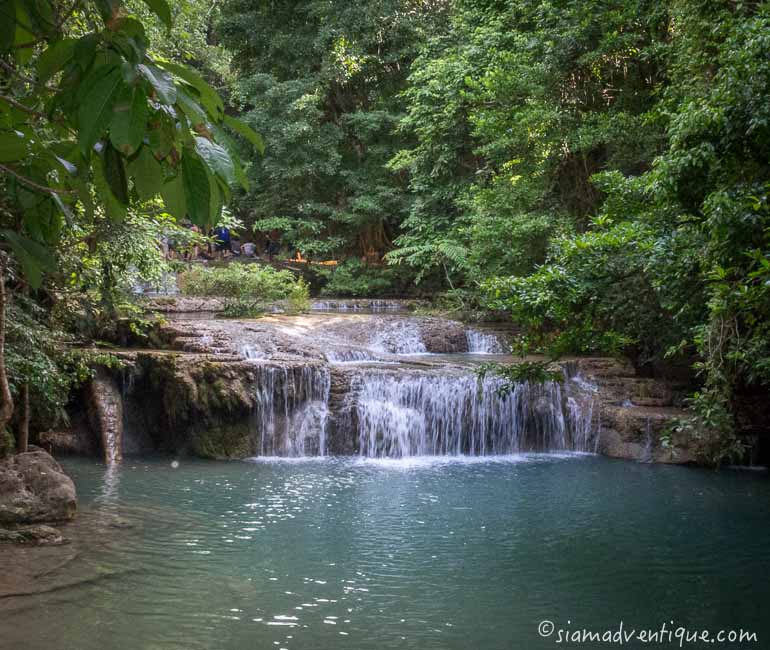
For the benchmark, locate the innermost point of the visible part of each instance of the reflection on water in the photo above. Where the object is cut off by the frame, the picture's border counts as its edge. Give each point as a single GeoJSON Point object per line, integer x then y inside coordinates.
{"type": "Point", "coordinates": [110, 484]}
{"type": "Point", "coordinates": [422, 552]}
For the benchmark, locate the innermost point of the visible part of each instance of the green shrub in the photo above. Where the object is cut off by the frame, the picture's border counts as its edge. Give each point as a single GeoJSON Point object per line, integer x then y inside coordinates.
{"type": "Point", "coordinates": [298, 299]}
{"type": "Point", "coordinates": [244, 284]}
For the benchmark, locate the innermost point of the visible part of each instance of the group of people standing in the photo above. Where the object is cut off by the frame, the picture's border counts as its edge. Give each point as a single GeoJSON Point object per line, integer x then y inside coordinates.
{"type": "Point", "coordinates": [221, 244]}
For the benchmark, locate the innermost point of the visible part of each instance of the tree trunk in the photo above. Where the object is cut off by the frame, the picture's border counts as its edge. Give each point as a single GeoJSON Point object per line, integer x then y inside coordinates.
{"type": "Point", "coordinates": [23, 441]}
{"type": "Point", "coordinates": [6, 408]}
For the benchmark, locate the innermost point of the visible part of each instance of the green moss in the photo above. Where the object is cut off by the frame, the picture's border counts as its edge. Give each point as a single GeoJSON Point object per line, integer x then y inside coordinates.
{"type": "Point", "coordinates": [224, 441]}
{"type": "Point", "coordinates": [7, 443]}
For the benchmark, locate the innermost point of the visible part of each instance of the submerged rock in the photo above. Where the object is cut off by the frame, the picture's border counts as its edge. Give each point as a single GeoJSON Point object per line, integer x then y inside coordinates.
{"type": "Point", "coordinates": [37, 535]}
{"type": "Point", "coordinates": [34, 488]}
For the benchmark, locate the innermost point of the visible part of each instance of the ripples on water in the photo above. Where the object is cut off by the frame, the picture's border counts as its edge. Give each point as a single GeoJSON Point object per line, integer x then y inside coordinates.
{"type": "Point", "coordinates": [364, 554]}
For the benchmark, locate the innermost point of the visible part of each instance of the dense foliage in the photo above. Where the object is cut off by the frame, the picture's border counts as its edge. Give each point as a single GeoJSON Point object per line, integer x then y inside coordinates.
{"type": "Point", "coordinates": [102, 142]}
{"type": "Point", "coordinates": [596, 171]}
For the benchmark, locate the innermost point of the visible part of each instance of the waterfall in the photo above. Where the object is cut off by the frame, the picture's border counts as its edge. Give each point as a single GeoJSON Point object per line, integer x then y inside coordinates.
{"type": "Point", "coordinates": [357, 305]}
{"type": "Point", "coordinates": [414, 413]}
{"type": "Point", "coordinates": [398, 337]}
{"type": "Point", "coordinates": [292, 410]}
{"type": "Point", "coordinates": [252, 353]}
{"type": "Point", "coordinates": [350, 355]}
{"type": "Point", "coordinates": [482, 343]}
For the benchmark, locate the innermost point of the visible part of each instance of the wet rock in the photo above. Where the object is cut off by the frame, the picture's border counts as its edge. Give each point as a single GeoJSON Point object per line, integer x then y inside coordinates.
{"type": "Point", "coordinates": [38, 535]}
{"type": "Point", "coordinates": [638, 433]}
{"type": "Point", "coordinates": [34, 488]}
{"type": "Point", "coordinates": [184, 304]}
{"type": "Point", "coordinates": [443, 336]}
{"type": "Point", "coordinates": [72, 440]}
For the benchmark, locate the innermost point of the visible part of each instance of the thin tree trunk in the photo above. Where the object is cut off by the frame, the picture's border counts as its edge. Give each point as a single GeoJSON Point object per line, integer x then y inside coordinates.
{"type": "Point", "coordinates": [6, 408]}
{"type": "Point", "coordinates": [23, 442]}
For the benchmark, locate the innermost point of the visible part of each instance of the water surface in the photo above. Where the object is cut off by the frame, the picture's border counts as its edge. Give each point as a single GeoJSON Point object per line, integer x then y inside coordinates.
{"type": "Point", "coordinates": [422, 553]}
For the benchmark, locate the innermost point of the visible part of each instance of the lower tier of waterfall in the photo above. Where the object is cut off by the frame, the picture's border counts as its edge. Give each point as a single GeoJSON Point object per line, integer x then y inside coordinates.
{"type": "Point", "coordinates": [400, 412]}
{"type": "Point", "coordinates": [292, 410]}
{"type": "Point", "coordinates": [399, 415]}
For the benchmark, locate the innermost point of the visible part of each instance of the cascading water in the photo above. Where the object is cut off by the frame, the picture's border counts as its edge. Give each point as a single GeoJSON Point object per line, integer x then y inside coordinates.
{"type": "Point", "coordinates": [483, 343]}
{"type": "Point", "coordinates": [410, 414]}
{"type": "Point", "coordinates": [398, 337]}
{"type": "Point", "coordinates": [386, 406]}
{"type": "Point", "coordinates": [344, 306]}
{"type": "Point", "coordinates": [292, 410]}
{"type": "Point", "coordinates": [350, 355]}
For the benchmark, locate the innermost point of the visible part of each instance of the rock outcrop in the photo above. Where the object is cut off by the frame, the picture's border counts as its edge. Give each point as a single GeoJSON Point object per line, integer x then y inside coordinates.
{"type": "Point", "coordinates": [635, 414]}
{"type": "Point", "coordinates": [230, 389]}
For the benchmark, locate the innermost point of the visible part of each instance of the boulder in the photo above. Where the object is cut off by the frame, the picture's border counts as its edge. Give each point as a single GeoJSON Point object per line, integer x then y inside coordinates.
{"type": "Point", "coordinates": [443, 336]}
{"type": "Point", "coordinates": [34, 488]}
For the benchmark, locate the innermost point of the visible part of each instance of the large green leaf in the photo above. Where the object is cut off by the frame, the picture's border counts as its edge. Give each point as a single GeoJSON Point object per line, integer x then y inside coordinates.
{"type": "Point", "coordinates": [243, 129]}
{"type": "Point", "coordinates": [161, 9]}
{"type": "Point", "coordinates": [209, 97]}
{"type": "Point", "coordinates": [130, 39]}
{"type": "Point", "coordinates": [7, 24]}
{"type": "Point", "coordinates": [115, 173]}
{"type": "Point", "coordinates": [216, 158]}
{"type": "Point", "coordinates": [196, 188]}
{"type": "Point", "coordinates": [147, 174]}
{"type": "Point", "coordinates": [115, 209]}
{"type": "Point", "coordinates": [161, 81]}
{"type": "Point", "coordinates": [224, 140]}
{"type": "Point", "coordinates": [216, 200]}
{"type": "Point", "coordinates": [85, 49]}
{"type": "Point", "coordinates": [23, 36]}
{"type": "Point", "coordinates": [13, 146]}
{"type": "Point", "coordinates": [174, 197]}
{"type": "Point", "coordinates": [34, 258]}
{"type": "Point", "coordinates": [54, 59]}
{"type": "Point", "coordinates": [161, 138]}
{"type": "Point", "coordinates": [190, 107]}
{"type": "Point", "coordinates": [129, 119]}
{"type": "Point", "coordinates": [95, 109]}
{"type": "Point", "coordinates": [109, 9]}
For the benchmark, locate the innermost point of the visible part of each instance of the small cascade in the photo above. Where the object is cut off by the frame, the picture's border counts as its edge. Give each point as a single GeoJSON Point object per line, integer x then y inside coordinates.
{"type": "Point", "coordinates": [581, 395]}
{"type": "Point", "coordinates": [106, 414]}
{"type": "Point", "coordinates": [292, 411]}
{"type": "Point", "coordinates": [345, 306]}
{"type": "Point", "coordinates": [647, 455]}
{"type": "Point", "coordinates": [410, 414]}
{"type": "Point", "coordinates": [350, 355]}
{"type": "Point", "coordinates": [483, 343]}
{"type": "Point", "coordinates": [252, 353]}
{"type": "Point", "coordinates": [398, 337]}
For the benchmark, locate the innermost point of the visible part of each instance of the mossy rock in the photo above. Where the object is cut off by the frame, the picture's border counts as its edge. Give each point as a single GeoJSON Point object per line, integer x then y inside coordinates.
{"type": "Point", "coordinates": [7, 443]}
{"type": "Point", "coordinates": [222, 442]}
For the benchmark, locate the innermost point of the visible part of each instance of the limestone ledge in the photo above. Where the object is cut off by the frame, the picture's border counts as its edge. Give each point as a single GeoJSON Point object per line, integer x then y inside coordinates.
{"type": "Point", "coordinates": [199, 395]}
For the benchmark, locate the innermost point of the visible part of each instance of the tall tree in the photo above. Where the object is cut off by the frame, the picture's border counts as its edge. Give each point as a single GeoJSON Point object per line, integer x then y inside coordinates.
{"type": "Point", "coordinates": [325, 88]}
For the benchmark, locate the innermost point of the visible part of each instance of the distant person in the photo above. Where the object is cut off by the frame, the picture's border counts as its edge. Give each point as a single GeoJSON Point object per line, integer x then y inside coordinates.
{"type": "Point", "coordinates": [223, 241]}
{"type": "Point", "coordinates": [235, 247]}
{"type": "Point", "coordinates": [249, 249]}
{"type": "Point", "coordinates": [272, 247]}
